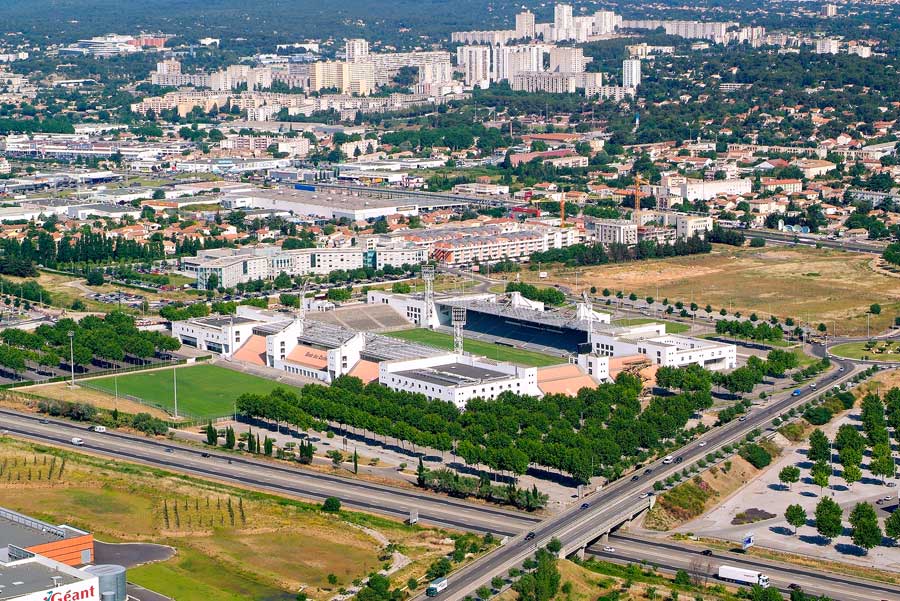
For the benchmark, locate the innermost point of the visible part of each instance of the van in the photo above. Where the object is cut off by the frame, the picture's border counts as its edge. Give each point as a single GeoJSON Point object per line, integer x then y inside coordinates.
{"type": "Point", "coordinates": [77, 442]}
{"type": "Point", "coordinates": [669, 459]}
{"type": "Point", "coordinates": [98, 429]}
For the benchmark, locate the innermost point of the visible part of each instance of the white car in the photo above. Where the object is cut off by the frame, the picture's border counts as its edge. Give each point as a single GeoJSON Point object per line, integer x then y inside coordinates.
{"type": "Point", "coordinates": [608, 549]}
{"type": "Point", "coordinates": [669, 459]}
{"type": "Point", "coordinates": [702, 443]}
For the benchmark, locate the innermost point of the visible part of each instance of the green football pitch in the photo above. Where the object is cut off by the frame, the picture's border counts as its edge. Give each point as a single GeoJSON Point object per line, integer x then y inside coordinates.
{"type": "Point", "coordinates": [203, 390]}
{"type": "Point", "coordinates": [479, 347]}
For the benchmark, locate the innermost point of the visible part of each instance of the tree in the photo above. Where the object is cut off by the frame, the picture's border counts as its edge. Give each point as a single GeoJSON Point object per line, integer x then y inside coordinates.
{"type": "Point", "coordinates": [852, 473]}
{"type": "Point", "coordinates": [819, 446]}
{"type": "Point", "coordinates": [789, 475]}
{"type": "Point", "coordinates": [212, 437]}
{"type": "Point", "coordinates": [822, 328]}
{"type": "Point", "coordinates": [882, 462]}
{"type": "Point", "coordinates": [892, 525]}
{"type": "Point", "coordinates": [268, 446]}
{"type": "Point", "coordinates": [875, 309]}
{"type": "Point", "coordinates": [866, 531]}
{"type": "Point", "coordinates": [795, 516]}
{"type": "Point", "coordinates": [828, 518]}
{"type": "Point", "coordinates": [331, 505]}
{"type": "Point", "coordinates": [820, 472]}
{"type": "Point", "coordinates": [159, 194]}
{"type": "Point", "coordinates": [554, 546]}
{"type": "Point", "coordinates": [95, 278]}
{"type": "Point", "coordinates": [229, 438]}
{"type": "Point", "coordinates": [420, 473]}
{"type": "Point", "coordinates": [355, 462]}
{"type": "Point", "coordinates": [282, 281]}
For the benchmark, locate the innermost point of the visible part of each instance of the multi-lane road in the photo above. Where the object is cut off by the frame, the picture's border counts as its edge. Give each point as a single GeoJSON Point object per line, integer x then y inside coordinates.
{"type": "Point", "coordinates": [671, 557]}
{"type": "Point", "coordinates": [574, 526]}
{"type": "Point", "coordinates": [270, 476]}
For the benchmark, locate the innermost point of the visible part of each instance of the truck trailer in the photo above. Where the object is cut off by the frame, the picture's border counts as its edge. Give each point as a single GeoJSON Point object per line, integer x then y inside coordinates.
{"type": "Point", "coordinates": [743, 576]}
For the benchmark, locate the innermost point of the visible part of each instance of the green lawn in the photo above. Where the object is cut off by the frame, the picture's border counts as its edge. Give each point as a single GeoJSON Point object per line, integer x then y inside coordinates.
{"type": "Point", "coordinates": [858, 350]}
{"type": "Point", "coordinates": [672, 327]}
{"type": "Point", "coordinates": [203, 390]}
{"type": "Point", "coordinates": [477, 347]}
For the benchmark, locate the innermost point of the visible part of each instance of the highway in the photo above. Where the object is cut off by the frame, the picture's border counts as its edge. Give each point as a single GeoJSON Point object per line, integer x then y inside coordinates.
{"type": "Point", "coordinates": [574, 525]}
{"type": "Point", "coordinates": [270, 476]}
{"type": "Point", "coordinates": [671, 557]}
{"type": "Point", "coordinates": [859, 246]}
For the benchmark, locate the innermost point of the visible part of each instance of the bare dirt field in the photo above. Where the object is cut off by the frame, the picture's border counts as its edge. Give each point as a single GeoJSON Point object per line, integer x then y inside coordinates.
{"type": "Point", "coordinates": [808, 284]}
{"type": "Point", "coordinates": [61, 391]}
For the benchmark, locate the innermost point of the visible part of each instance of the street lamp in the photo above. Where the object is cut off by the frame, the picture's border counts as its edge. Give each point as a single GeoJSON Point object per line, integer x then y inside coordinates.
{"type": "Point", "coordinates": [72, 356]}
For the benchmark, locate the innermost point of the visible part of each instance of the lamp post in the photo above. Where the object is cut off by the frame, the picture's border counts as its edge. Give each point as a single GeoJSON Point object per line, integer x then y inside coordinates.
{"type": "Point", "coordinates": [72, 356]}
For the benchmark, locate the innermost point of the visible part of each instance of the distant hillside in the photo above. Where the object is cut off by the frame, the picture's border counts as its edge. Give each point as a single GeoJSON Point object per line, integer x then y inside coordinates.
{"type": "Point", "coordinates": [265, 21]}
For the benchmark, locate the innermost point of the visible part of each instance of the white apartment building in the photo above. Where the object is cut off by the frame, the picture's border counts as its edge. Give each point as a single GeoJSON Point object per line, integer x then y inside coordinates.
{"type": "Point", "coordinates": [542, 81]}
{"type": "Point", "coordinates": [612, 231]}
{"type": "Point", "coordinates": [525, 24]}
{"type": "Point", "coordinates": [827, 46]}
{"type": "Point", "coordinates": [631, 73]}
{"type": "Point", "coordinates": [688, 226]}
{"type": "Point", "coordinates": [356, 49]}
{"type": "Point", "coordinates": [348, 78]}
{"type": "Point", "coordinates": [568, 60]}
{"type": "Point", "coordinates": [509, 61]}
{"type": "Point", "coordinates": [606, 22]}
{"type": "Point", "coordinates": [563, 24]}
{"type": "Point", "coordinates": [475, 62]}
{"type": "Point", "coordinates": [457, 378]}
{"type": "Point", "coordinates": [231, 266]}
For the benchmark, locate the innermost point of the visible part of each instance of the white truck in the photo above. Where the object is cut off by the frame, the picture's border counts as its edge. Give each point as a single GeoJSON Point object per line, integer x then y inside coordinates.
{"type": "Point", "coordinates": [743, 576]}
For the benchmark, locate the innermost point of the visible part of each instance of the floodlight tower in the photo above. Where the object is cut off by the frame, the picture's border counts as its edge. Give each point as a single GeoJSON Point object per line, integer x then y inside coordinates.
{"type": "Point", "coordinates": [458, 319]}
{"type": "Point", "coordinates": [428, 278]}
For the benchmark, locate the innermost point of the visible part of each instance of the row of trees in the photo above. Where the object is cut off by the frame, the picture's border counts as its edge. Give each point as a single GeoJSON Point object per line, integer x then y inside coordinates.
{"type": "Point", "coordinates": [110, 338]}
{"type": "Point", "coordinates": [601, 254]}
{"type": "Point", "coordinates": [865, 531]}
{"type": "Point", "coordinates": [761, 331]}
{"type": "Point", "coordinates": [548, 296]}
{"type": "Point", "coordinates": [599, 431]}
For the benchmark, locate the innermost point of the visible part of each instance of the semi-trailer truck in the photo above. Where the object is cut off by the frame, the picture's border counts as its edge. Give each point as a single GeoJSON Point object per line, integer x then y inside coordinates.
{"type": "Point", "coordinates": [743, 576]}
{"type": "Point", "coordinates": [436, 586]}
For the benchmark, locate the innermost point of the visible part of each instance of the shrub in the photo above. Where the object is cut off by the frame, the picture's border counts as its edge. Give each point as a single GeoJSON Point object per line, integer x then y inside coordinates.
{"type": "Point", "coordinates": [817, 416]}
{"type": "Point", "coordinates": [331, 505]}
{"type": "Point", "coordinates": [757, 456]}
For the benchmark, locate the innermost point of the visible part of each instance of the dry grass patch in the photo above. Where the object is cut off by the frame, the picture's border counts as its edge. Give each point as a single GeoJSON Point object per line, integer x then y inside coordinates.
{"type": "Point", "coordinates": [803, 283]}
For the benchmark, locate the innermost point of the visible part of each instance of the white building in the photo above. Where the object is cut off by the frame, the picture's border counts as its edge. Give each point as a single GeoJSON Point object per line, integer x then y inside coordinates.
{"type": "Point", "coordinates": [606, 22]}
{"type": "Point", "coordinates": [222, 335]}
{"type": "Point", "coordinates": [631, 73]}
{"type": "Point", "coordinates": [663, 349]}
{"type": "Point", "coordinates": [688, 226]}
{"type": "Point", "coordinates": [458, 378]}
{"type": "Point", "coordinates": [613, 231]}
{"type": "Point", "coordinates": [563, 24]}
{"type": "Point", "coordinates": [525, 24]}
{"type": "Point", "coordinates": [568, 60]}
{"type": "Point", "coordinates": [827, 46]}
{"type": "Point", "coordinates": [356, 49]}
{"type": "Point", "coordinates": [475, 62]}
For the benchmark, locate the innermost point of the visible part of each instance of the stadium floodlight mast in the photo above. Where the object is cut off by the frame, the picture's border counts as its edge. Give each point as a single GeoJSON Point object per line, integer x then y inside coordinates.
{"type": "Point", "coordinates": [458, 319]}
{"type": "Point", "coordinates": [428, 277]}
{"type": "Point", "coordinates": [175, 389]}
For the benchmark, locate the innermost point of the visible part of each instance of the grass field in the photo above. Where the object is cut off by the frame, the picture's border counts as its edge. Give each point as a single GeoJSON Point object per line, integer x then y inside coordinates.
{"type": "Point", "coordinates": [203, 390]}
{"type": "Point", "coordinates": [478, 347]}
{"type": "Point", "coordinates": [808, 284]}
{"type": "Point", "coordinates": [672, 327]}
{"type": "Point", "coordinates": [857, 350]}
{"type": "Point", "coordinates": [231, 544]}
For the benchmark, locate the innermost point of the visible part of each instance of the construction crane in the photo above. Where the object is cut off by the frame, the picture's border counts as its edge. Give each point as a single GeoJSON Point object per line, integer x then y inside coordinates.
{"type": "Point", "coordinates": [638, 180]}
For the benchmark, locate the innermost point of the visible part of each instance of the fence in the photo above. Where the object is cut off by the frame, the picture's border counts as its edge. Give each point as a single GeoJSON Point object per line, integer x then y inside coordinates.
{"type": "Point", "coordinates": [107, 372]}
